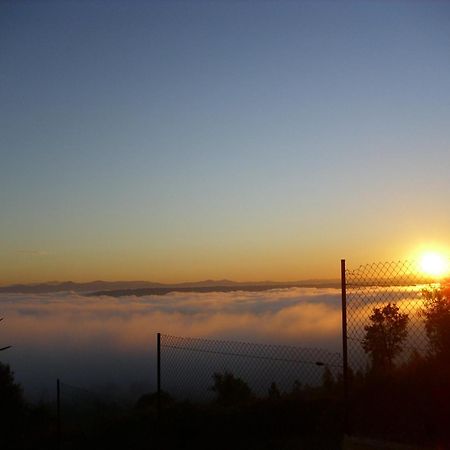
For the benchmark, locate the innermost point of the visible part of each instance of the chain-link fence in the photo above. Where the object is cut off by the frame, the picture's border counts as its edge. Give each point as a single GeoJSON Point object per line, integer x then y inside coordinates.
{"type": "Point", "coordinates": [375, 286]}
{"type": "Point", "coordinates": [189, 366]}
{"type": "Point", "coordinates": [398, 344]}
{"type": "Point", "coordinates": [251, 395]}
{"type": "Point", "coordinates": [212, 391]}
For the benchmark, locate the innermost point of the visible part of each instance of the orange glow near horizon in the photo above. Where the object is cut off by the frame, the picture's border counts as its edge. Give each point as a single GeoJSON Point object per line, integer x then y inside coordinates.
{"type": "Point", "coordinates": [280, 260]}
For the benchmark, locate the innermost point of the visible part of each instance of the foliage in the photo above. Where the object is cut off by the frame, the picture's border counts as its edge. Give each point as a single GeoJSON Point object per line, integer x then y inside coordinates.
{"type": "Point", "coordinates": [328, 381]}
{"type": "Point", "coordinates": [8, 346]}
{"type": "Point", "coordinates": [150, 401]}
{"type": "Point", "coordinates": [12, 407]}
{"type": "Point", "coordinates": [437, 320]}
{"type": "Point", "coordinates": [230, 389]}
{"type": "Point", "coordinates": [297, 388]}
{"type": "Point", "coordinates": [10, 391]}
{"type": "Point", "coordinates": [274, 392]}
{"type": "Point", "coordinates": [385, 335]}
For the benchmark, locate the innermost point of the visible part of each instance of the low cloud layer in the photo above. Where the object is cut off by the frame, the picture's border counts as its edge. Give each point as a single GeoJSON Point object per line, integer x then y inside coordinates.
{"type": "Point", "coordinates": [100, 340]}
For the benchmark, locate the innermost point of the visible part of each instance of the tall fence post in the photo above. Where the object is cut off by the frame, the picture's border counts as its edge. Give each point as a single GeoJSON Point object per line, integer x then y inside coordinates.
{"type": "Point", "coordinates": [158, 373]}
{"type": "Point", "coordinates": [344, 345]}
{"type": "Point", "coordinates": [58, 414]}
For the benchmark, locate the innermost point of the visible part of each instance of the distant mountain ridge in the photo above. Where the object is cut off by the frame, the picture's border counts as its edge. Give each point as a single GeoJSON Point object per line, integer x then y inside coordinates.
{"type": "Point", "coordinates": [121, 288]}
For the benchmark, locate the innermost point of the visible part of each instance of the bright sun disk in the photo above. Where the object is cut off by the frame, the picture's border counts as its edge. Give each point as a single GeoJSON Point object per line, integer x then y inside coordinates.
{"type": "Point", "coordinates": [434, 264]}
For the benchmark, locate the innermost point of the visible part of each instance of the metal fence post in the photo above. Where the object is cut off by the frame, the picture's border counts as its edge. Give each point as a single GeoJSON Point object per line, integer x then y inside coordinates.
{"type": "Point", "coordinates": [58, 414]}
{"type": "Point", "coordinates": [344, 346]}
{"type": "Point", "coordinates": [158, 373]}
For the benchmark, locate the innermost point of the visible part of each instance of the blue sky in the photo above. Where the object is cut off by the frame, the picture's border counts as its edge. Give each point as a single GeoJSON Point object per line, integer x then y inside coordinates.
{"type": "Point", "coordinates": [183, 140]}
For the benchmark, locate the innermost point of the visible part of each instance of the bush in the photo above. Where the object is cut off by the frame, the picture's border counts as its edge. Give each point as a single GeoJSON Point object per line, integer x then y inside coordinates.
{"type": "Point", "coordinates": [230, 390]}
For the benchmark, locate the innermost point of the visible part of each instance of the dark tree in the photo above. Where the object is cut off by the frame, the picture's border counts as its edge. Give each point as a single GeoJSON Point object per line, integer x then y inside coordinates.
{"type": "Point", "coordinates": [328, 381]}
{"type": "Point", "coordinates": [274, 393]}
{"type": "Point", "coordinates": [8, 346]}
{"type": "Point", "coordinates": [297, 387]}
{"type": "Point", "coordinates": [385, 336]}
{"type": "Point", "coordinates": [10, 391]}
{"type": "Point", "coordinates": [437, 320]}
{"type": "Point", "coordinates": [230, 389]}
{"type": "Point", "coordinates": [12, 408]}
{"type": "Point", "coordinates": [150, 401]}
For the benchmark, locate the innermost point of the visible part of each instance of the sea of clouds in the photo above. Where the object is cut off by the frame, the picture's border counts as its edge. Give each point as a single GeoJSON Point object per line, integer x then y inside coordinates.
{"type": "Point", "coordinates": [104, 341]}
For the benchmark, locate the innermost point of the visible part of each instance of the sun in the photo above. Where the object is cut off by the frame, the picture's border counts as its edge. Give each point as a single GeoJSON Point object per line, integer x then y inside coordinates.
{"type": "Point", "coordinates": [434, 264]}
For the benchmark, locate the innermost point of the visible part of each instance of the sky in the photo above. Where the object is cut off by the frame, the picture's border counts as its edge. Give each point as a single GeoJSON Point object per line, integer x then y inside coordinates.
{"type": "Point", "coordinates": [174, 141]}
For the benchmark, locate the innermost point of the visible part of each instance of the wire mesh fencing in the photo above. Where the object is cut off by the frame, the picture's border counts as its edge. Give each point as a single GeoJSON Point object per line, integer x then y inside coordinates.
{"type": "Point", "coordinates": [398, 344]}
{"type": "Point", "coordinates": [251, 395]}
{"type": "Point", "coordinates": [407, 287]}
{"type": "Point", "coordinates": [192, 368]}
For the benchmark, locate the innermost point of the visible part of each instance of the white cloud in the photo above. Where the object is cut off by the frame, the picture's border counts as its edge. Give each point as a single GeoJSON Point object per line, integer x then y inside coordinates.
{"type": "Point", "coordinates": [99, 339]}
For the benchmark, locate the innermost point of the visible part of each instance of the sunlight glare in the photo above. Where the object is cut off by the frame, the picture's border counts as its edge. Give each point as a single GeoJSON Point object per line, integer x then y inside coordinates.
{"type": "Point", "coordinates": [434, 264]}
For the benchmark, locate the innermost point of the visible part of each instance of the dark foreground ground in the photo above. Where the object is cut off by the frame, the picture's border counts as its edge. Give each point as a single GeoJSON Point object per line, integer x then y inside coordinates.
{"type": "Point", "coordinates": [271, 423]}
{"type": "Point", "coordinates": [408, 406]}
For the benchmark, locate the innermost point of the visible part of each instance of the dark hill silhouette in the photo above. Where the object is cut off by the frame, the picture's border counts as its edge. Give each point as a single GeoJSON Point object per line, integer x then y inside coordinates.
{"type": "Point", "coordinates": [121, 288]}
{"type": "Point", "coordinates": [42, 288]}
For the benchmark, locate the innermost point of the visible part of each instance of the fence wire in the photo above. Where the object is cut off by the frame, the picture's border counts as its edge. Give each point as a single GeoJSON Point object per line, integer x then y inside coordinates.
{"type": "Point", "coordinates": [398, 341]}
{"type": "Point", "coordinates": [188, 366]}
{"type": "Point", "coordinates": [371, 286]}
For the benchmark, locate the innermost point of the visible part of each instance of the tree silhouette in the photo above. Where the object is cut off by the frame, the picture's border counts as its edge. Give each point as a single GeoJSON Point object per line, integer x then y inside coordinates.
{"type": "Point", "coordinates": [384, 336]}
{"type": "Point", "coordinates": [437, 320]}
{"type": "Point", "coordinates": [230, 389]}
{"type": "Point", "coordinates": [8, 346]}
{"type": "Point", "coordinates": [328, 380]}
{"type": "Point", "coordinates": [12, 408]}
{"type": "Point", "coordinates": [273, 392]}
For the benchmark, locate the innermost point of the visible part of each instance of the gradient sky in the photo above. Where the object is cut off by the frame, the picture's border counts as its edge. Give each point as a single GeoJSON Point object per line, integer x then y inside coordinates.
{"type": "Point", "coordinates": [174, 141]}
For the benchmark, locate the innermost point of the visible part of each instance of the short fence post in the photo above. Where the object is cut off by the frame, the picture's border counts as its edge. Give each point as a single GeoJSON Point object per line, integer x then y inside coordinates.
{"type": "Point", "coordinates": [158, 373]}
{"type": "Point", "coordinates": [58, 414]}
{"type": "Point", "coordinates": [344, 346]}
